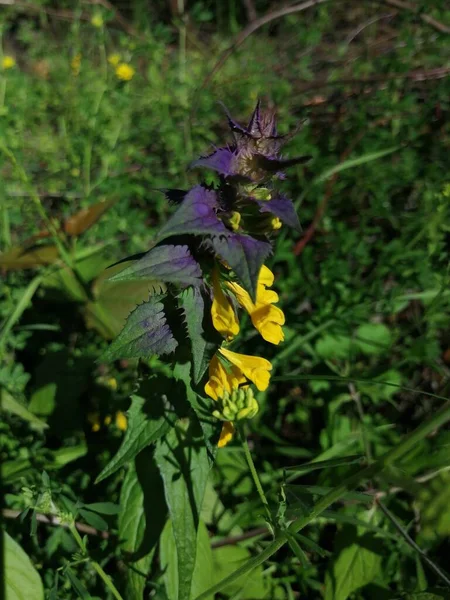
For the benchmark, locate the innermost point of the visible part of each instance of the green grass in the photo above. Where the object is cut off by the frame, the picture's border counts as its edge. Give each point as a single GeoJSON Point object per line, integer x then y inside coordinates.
{"type": "Point", "coordinates": [366, 358]}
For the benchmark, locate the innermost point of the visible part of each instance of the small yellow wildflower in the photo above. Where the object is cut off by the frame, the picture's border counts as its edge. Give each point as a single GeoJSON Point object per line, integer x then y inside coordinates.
{"type": "Point", "coordinates": [107, 420]}
{"type": "Point", "coordinates": [75, 64]}
{"type": "Point", "coordinates": [266, 318]}
{"type": "Point", "coordinates": [275, 223]}
{"type": "Point", "coordinates": [124, 72]}
{"type": "Point", "coordinates": [8, 62]}
{"type": "Point", "coordinates": [254, 368]}
{"type": "Point", "coordinates": [121, 421]}
{"type": "Point", "coordinates": [97, 21]}
{"type": "Point", "coordinates": [223, 316]}
{"type": "Point", "coordinates": [114, 59]}
{"type": "Point", "coordinates": [226, 434]}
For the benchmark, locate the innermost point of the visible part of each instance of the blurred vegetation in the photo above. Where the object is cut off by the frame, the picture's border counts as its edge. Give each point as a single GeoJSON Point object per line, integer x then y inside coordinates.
{"type": "Point", "coordinates": [101, 105]}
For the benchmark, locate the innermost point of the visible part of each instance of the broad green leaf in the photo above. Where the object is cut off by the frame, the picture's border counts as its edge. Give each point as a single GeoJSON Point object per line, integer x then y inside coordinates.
{"type": "Point", "coordinates": [93, 519]}
{"type": "Point", "coordinates": [203, 576]}
{"type": "Point", "coordinates": [22, 581]}
{"type": "Point", "coordinates": [334, 346]}
{"type": "Point", "coordinates": [373, 338]}
{"type": "Point", "coordinates": [433, 503]}
{"type": "Point", "coordinates": [147, 421]}
{"type": "Point", "coordinates": [183, 463]}
{"type": "Point", "coordinates": [252, 586]}
{"type": "Point", "coordinates": [204, 339]}
{"type": "Point", "coordinates": [353, 567]}
{"type": "Point", "coordinates": [11, 405]}
{"type": "Point", "coordinates": [146, 333]}
{"type": "Point", "coordinates": [141, 520]}
{"type": "Point", "coordinates": [383, 386]}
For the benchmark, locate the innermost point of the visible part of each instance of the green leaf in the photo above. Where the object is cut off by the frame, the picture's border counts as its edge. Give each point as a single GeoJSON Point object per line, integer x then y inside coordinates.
{"type": "Point", "coordinates": [22, 581]}
{"type": "Point", "coordinates": [77, 585]}
{"type": "Point", "coordinates": [10, 404]}
{"type": "Point", "coordinates": [355, 162]}
{"type": "Point", "coordinates": [252, 586]}
{"type": "Point", "coordinates": [204, 339]}
{"type": "Point", "coordinates": [146, 333]}
{"type": "Point", "coordinates": [373, 338]}
{"type": "Point", "coordinates": [104, 508]}
{"type": "Point", "coordinates": [357, 563]}
{"type": "Point", "coordinates": [183, 463]}
{"type": "Point", "coordinates": [147, 421]}
{"type": "Point", "coordinates": [431, 595]}
{"type": "Point", "coordinates": [334, 346]}
{"type": "Point", "coordinates": [93, 519]}
{"type": "Point", "coordinates": [203, 576]}
{"type": "Point", "coordinates": [141, 520]}
{"type": "Point", "coordinates": [324, 464]}
{"type": "Point", "coordinates": [433, 503]}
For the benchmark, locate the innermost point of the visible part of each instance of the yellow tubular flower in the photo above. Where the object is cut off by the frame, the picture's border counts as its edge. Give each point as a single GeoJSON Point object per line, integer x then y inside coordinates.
{"type": "Point", "coordinates": [266, 318]}
{"type": "Point", "coordinates": [220, 380]}
{"type": "Point", "coordinates": [226, 434]}
{"type": "Point", "coordinates": [121, 421]}
{"type": "Point", "coordinates": [254, 368]}
{"type": "Point", "coordinates": [223, 316]}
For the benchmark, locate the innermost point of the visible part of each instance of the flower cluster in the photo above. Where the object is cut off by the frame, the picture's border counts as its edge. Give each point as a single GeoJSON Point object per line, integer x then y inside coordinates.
{"type": "Point", "coordinates": [210, 257]}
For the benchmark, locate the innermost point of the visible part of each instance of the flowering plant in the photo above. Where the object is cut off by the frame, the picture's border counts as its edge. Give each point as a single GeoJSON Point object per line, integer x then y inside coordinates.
{"type": "Point", "coordinates": [207, 264]}
{"type": "Point", "coordinates": [210, 257]}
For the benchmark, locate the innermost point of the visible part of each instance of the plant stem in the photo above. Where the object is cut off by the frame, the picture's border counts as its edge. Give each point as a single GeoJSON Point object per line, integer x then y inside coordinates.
{"type": "Point", "coordinates": [106, 579]}
{"type": "Point", "coordinates": [439, 418]}
{"type": "Point", "coordinates": [254, 473]}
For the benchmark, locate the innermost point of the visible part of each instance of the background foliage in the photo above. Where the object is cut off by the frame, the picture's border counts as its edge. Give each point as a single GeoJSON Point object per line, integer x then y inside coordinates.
{"type": "Point", "coordinates": [84, 146]}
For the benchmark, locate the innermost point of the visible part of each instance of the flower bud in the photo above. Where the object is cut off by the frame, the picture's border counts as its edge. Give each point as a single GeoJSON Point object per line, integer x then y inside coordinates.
{"type": "Point", "coordinates": [240, 404]}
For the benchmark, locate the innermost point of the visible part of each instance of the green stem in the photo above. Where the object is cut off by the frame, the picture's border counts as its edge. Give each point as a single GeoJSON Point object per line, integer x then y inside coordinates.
{"type": "Point", "coordinates": [438, 419]}
{"type": "Point", "coordinates": [106, 579]}
{"type": "Point", "coordinates": [253, 471]}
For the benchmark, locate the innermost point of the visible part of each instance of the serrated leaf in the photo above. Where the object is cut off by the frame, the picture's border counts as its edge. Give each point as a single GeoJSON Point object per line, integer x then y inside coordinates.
{"type": "Point", "coordinates": [203, 337]}
{"type": "Point", "coordinates": [183, 463]}
{"type": "Point", "coordinates": [114, 300]}
{"type": "Point", "coordinates": [147, 422]}
{"type": "Point", "coordinates": [167, 263]}
{"type": "Point", "coordinates": [354, 566]}
{"type": "Point", "coordinates": [21, 580]}
{"type": "Point", "coordinates": [196, 215]}
{"type": "Point", "coordinates": [146, 333]}
{"type": "Point", "coordinates": [141, 520]}
{"type": "Point", "coordinates": [245, 255]}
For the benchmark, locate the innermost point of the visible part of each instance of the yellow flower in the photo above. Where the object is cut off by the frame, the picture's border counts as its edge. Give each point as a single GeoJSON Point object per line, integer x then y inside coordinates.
{"type": "Point", "coordinates": [254, 368]}
{"type": "Point", "coordinates": [124, 72]}
{"type": "Point", "coordinates": [275, 223]}
{"type": "Point", "coordinates": [220, 380]}
{"type": "Point", "coordinates": [8, 62]}
{"type": "Point", "coordinates": [266, 318]}
{"type": "Point", "coordinates": [114, 59]}
{"type": "Point", "coordinates": [94, 420]}
{"type": "Point", "coordinates": [226, 434]}
{"type": "Point", "coordinates": [75, 64]}
{"type": "Point", "coordinates": [107, 420]}
{"type": "Point", "coordinates": [223, 316]}
{"type": "Point", "coordinates": [97, 21]}
{"type": "Point", "coordinates": [121, 421]}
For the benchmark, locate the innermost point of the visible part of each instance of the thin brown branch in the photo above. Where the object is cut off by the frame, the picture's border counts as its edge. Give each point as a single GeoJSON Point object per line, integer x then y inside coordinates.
{"type": "Point", "coordinates": [413, 8]}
